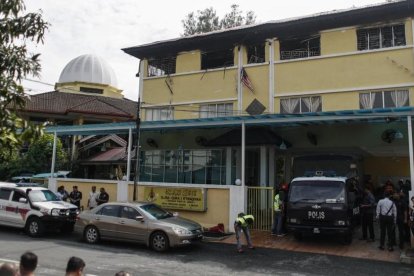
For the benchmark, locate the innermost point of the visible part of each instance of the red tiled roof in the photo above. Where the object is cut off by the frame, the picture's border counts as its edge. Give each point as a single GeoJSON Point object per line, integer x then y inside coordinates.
{"type": "Point", "coordinates": [63, 103]}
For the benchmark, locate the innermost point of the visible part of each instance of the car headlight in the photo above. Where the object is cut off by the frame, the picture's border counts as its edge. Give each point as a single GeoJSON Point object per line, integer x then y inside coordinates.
{"type": "Point", "coordinates": [55, 212]}
{"type": "Point", "coordinates": [181, 231]}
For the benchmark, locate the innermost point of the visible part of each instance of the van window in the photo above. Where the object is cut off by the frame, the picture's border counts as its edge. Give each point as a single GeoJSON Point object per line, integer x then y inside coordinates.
{"type": "Point", "coordinates": [5, 194]}
{"type": "Point", "coordinates": [17, 195]}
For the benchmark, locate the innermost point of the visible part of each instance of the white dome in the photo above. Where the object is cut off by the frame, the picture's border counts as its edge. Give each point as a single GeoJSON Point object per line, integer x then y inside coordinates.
{"type": "Point", "coordinates": [88, 68]}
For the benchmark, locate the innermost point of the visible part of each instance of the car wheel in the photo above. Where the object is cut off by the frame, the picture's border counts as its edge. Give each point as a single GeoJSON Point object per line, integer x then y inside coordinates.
{"type": "Point", "coordinates": [91, 234]}
{"type": "Point", "coordinates": [159, 241]}
{"type": "Point", "coordinates": [35, 227]}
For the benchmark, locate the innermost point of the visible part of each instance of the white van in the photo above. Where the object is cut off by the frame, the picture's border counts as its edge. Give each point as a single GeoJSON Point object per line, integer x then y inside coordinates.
{"type": "Point", "coordinates": [35, 209]}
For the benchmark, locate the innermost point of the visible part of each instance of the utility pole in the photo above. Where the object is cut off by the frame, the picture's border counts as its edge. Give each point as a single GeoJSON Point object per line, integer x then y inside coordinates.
{"type": "Point", "coordinates": [137, 135]}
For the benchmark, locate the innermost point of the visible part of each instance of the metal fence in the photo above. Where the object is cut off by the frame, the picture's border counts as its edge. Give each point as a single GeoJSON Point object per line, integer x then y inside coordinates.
{"type": "Point", "coordinates": [260, 205]}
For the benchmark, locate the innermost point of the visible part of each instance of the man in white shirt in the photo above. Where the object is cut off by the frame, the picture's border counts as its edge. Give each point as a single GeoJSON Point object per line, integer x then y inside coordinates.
{"type": "Point", "coordinates": [387, 215]}
{"type": "Point", "coordinates": [93, 195]}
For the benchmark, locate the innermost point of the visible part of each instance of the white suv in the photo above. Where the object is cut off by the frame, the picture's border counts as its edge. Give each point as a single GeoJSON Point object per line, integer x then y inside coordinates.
{"type": "Point", "coordinates": [35, 208]}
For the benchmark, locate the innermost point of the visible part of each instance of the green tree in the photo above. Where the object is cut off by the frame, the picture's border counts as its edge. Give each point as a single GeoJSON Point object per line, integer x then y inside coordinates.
{"type": "Point", "coordinates": [207, 20]}
{"type": "Point", "coordinates": [17, 30]}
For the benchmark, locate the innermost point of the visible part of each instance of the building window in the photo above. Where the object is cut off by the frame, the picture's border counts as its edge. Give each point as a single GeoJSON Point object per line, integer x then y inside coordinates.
{"type": "Point", "coordinates": [183, 166]}
{"type": "Point", "coordinates": [91, 90]}
{"type": "Point", "coordinates": [161, 66]}
{"type": "Point", "coordinates": [159, 114]}
{"type": "Point", "coordinates": [381, 37]}
{"type": "Point", "coordinates": [256, 53]}
{"type": "Point", "coordinates": [383, 99]}
{"type": "Point", "coordinates": [300, 48]}
{"type": "Point", "coordinates": [217, 59]}
{"type": "Point", "coordinates": [216, 110]}
{"type": "Point", "coordinates": [301, 105]}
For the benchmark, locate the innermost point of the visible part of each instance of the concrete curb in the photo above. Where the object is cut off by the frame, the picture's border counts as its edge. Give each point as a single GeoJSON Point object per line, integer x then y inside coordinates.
{"type": "Point", "coordinates": [407, 256]}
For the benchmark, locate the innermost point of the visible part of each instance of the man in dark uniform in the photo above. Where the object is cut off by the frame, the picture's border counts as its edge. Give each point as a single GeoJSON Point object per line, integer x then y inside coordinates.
{"type": "Point", "coordinates": [75, 196]}
{"type": "Point", "coordinates": [367, 212]}
{"type": "Point", "coordinates": [103, 197]}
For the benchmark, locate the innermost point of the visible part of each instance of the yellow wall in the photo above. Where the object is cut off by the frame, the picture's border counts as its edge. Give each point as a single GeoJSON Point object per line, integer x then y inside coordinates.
{"type": "Point", "coordinates": [339, 41]}
{"type": "Point", "coordinates": [361, 70]}
{"type": "Point", "coordinates": [74, 87]}
{"type": "Point", "coordinates": [340, 101]}
{"type": "Point", "coordinates": [259, 77]}
{"type": "Point", "coordinates": [188, 61]}
{"type": "Point", "coordinates": [85, 188]}
{"type": "Point", "coordinates": [217, 207]}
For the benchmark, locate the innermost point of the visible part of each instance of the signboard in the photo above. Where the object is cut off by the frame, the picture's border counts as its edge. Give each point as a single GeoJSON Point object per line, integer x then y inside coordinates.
{"type": "Point", "coordinates": [192, 199]}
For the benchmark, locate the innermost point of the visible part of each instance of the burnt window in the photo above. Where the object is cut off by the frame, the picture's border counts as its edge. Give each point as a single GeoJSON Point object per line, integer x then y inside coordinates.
{"type": "Point", "coordinates": [300, 48]}
{"type": "Point", "coordinates": [380, 37]}
{"type": "Point", "coordinates": [217, 59]}
{"type": "Point", "coordinates": [91, 90]}
{"type": "Point", "coordinates": [256, 53]}
{"type": "Point", "coordinates": [161, 66]}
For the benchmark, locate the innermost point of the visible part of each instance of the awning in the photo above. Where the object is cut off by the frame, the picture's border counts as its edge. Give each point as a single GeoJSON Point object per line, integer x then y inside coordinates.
{"type": "Point", "coordinates": [280, 120]}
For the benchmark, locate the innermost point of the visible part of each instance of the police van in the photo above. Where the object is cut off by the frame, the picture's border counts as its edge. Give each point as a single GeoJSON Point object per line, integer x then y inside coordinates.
{"type": "Point", "coordinates": [34, 208]}
{"type": "Point", "coordinates": [323, 204]}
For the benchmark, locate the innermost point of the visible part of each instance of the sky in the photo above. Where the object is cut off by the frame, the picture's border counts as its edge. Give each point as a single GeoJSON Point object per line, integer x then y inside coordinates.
{"type": "Point", "coordinates": [104, 27]}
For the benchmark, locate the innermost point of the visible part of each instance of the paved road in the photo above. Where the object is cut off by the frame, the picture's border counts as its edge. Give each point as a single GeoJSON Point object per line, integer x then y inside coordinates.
{"type": "Point", "coordinates": [107, 258]}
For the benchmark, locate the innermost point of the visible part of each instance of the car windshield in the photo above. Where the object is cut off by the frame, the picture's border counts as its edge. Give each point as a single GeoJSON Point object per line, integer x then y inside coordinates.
{"type": "Point", "coordinates": [156, 211]}
{"type": "Point", "coordinates": [317, 191]}
{"type": "Point", "coordinates": [42, 195]}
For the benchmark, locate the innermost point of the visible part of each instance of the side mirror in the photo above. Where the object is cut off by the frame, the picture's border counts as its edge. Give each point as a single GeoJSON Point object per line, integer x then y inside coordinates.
{"type": "Point", "coordinates": [23, 200]}
{"type": "Point", "coordinates": [139, 218]}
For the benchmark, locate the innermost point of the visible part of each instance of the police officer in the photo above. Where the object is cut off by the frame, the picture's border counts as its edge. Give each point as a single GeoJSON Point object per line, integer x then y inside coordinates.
{"type": "Point", "coordinates": [75, 196]}
{"type": "Point", "coordinates": [277, 215]}
{"type": "Point", "coordinates": [242, 223]}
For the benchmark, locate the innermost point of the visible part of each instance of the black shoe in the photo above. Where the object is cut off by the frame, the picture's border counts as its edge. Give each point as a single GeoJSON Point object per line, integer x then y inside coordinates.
{"type": "Point", "coordinates": [362, 239]}
{"type": "Point", "coordinates": [381, 247]}
{"type": "Point", "coordinates": [390, 249]}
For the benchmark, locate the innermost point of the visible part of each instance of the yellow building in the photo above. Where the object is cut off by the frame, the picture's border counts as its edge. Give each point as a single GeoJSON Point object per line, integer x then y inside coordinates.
{"type": "Point", "coordinates": [242, 105]}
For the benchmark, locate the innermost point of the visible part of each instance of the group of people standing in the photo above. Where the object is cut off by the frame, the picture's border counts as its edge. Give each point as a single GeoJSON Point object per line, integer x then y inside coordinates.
{"type": "Point", "coordinates": [394, 213]}
{"type": "Point", "coordinates": [94, 198]}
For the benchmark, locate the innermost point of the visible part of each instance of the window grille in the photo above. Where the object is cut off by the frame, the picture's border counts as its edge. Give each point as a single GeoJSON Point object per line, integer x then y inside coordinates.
{"type": "Point", "coordinates": [216, 110]}
{"type": "Point", "coordinates": [256, 53]}
{"type": "Point", "coordinates": [161, 66]}
{"type": "Point", "coordinates": [300, 105]}
{"type": "Point", "coordinates": [300, 48]}
{"type": "Point", "coordinates": [380, 37]}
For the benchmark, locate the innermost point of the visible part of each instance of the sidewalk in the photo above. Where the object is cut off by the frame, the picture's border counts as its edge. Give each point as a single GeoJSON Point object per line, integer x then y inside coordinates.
{"type": "Point", "coordinates": [322, 245]}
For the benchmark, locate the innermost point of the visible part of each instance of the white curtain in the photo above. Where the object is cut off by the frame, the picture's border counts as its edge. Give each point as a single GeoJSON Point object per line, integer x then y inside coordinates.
{"type": "Point", "coordinates": [289, 105]}
{"type": "Point", "coordinates": [316, 102]}
{"type": "Point", "coordinates": [366, 101]}
{"type": "Point", "coordinates": [399, 98]}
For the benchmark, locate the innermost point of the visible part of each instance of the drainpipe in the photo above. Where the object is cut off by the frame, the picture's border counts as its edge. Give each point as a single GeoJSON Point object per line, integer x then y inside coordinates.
{"type": "Point", "coordinates": [52, 169]}
{"type": "Point", "coordinates": [243, 154]}
{"type": "Point", "coordinates": [410, 149]}
{"type": "Point", "coordinates": [239, 85]}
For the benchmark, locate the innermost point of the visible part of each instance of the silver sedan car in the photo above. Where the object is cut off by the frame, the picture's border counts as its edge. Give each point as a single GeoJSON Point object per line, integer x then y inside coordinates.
{"type": "Point", "coordinates": [141, 222]}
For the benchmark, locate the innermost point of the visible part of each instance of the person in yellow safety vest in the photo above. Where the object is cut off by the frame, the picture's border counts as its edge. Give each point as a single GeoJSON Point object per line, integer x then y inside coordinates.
{"type": "Point", "coordinates": [242, 223]}
{"type": "Point", "coordinates": [278, 208]}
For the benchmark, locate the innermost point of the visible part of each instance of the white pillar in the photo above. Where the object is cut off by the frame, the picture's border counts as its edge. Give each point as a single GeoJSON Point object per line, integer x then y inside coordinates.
{"type": "Point", "coordinates": [52, 169]}
{"type": "Point", "coordinates": [410, 149]}
{"type": "Point", "coordinates": [228, 166]}
{"type": "Point", "coordinates": [52, 183]}
{"type": "Point", "coordinates": [141, 80]}
{"type": "Point", "coordinates": [243, 154]}
{"type": "Point", "coordinates": [263, 166]}
{"type": "Point", "coordinates": [271, 76]}
{"type": "Point", "coordinates": [237, 203]}
{"type": "Point", "coordinates": [122, 191]}
{"type": "Point", "coordinates": [129, 154]}
{"type": "Point", "coordinates": [239, 85]}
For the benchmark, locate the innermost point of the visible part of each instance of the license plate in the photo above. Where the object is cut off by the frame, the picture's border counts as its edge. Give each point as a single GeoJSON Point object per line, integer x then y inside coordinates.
{"type": "Point", "coordinates": [319, 215]}
{"type": "Point", "coordinates": [316, 230]}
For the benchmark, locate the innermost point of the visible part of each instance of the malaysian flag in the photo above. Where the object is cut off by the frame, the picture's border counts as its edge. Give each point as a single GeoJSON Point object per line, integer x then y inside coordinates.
{"type": "Point", "coordinates": [245, 80]}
